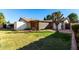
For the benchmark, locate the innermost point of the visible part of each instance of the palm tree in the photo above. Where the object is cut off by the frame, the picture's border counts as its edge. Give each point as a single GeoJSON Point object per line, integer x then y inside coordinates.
{"type": "Point", "coordinates": [57, 18]}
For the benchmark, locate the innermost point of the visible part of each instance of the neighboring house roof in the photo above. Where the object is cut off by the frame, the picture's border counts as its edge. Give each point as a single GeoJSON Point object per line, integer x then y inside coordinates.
{"type": "Point", "coordinates": [66, 21]}
{"type": "Point", "coordinates": [25, 19]}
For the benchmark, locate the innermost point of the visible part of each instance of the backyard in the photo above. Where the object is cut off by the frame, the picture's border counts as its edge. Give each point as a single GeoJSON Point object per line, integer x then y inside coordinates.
{"type": "Point", "coordinates": [34, 40]}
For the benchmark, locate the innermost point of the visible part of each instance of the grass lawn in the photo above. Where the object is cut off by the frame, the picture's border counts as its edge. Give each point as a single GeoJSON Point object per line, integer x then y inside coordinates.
{"type": "Point", "coordinates": [12, 40]}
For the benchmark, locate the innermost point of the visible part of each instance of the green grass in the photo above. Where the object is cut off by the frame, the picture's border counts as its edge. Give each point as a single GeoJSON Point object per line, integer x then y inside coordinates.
{"type": "Point", "coordinates": [55, 41]}
{"type": "Point", "coordinates": [11, 40]}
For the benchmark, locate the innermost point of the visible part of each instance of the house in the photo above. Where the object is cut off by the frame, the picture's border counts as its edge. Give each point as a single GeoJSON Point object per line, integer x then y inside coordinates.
{"type": "Point", "coordinates": [28, 23]}
{"type": "Point", "coordinates": [22, 24]}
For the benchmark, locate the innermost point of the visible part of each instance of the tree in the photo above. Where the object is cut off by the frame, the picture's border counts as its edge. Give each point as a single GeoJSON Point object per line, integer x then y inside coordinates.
{"type": "Point", "coordinates": [2, 19]}
{"type": "Point", "coordinates": [73, 17]}
{"type": "Point", "coordinates": [45, 18]}
{"type": "Point", "coordinates": [57, 18]}
{"type": "Point", "coordinates": [8, 22]}
{"type": "Point", "coordinates": [48, 17]}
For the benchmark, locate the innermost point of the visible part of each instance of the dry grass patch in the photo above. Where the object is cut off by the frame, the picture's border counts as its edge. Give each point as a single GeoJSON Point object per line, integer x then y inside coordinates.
{"type": "Point", "coordinates": [11, 40]}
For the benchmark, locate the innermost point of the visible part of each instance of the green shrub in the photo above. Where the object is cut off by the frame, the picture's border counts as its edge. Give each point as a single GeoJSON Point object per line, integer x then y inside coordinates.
{"type": "Point", "coordinates": [78, 36]}
{"type": "Point", "coordinates": [75, 27]}
{"type": "Point", "coordinates": [27, 29]}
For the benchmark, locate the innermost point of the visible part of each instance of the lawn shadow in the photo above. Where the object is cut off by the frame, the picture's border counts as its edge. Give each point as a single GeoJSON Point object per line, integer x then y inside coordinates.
{"type": "Point", "coordinates": [56, 41]}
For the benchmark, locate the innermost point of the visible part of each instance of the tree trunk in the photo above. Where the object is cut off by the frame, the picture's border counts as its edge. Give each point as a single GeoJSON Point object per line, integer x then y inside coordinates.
{"type": "Point", "coordinates": [57, 28]}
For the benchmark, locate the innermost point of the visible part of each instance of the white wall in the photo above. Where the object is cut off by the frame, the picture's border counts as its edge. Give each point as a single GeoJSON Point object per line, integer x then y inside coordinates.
{"type": "Point", "coordinates": [43, 25]}
{"type": "Point", "coordinates": [59, 26]}
{"type": "Point", "coordinates": [54, 26]}
{"type": "Point", "coordinates": [20, 25]}
{"type": "Point", "coordinates": [66, 21]}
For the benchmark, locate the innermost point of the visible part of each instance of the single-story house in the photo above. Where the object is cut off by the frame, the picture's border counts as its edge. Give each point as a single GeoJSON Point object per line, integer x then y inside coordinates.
{"type": "Point", "coordinates": [27, 23]}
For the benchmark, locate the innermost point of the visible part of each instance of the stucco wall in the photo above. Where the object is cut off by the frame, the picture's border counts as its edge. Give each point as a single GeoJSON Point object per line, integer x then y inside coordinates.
{"type": "Point", "coordinates": [20, 25]}
{"type": "Point", "coordinates": [43, 25]}
{"type": "Point", "coordinates": [54, 26]}
{"type": "Point", "coordinates": [1, 26]}
{"type": "Point", "coordinates": [59, 26]}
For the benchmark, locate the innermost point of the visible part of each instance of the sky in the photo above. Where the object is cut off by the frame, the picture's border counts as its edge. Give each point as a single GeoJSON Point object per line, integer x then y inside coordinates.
{"type": "Point", "coordinates": [13, 15]}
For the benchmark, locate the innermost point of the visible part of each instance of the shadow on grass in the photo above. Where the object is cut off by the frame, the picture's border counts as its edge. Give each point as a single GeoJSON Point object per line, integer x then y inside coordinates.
{"type": "Point", "coordinates": [57, 41]}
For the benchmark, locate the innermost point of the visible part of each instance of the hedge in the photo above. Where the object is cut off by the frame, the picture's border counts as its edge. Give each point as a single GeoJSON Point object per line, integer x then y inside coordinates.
{"type": "Point", "coordinates": [75, 27]}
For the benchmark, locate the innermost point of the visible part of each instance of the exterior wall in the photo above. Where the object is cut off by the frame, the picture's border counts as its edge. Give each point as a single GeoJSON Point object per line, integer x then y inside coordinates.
{"type": "Point", "coordinates": [43, 25]}
{"type": "Point", "coordinates": [34, 25]}
{"type": "Point", "coordinates": [66, 21]}
{"type": "Point", "coordinates": [59, 26]}
{"type": "Point", "coordinates": [67, 26]}
{"type": "Point", "coordinates": [1, 26]}
{"type": "Point", "coordinates": [20, 25]}
{"type": "Point", "coordinates": [50, 25]}
{"type": "Point", "coordinates": [63, 26]}
{"type": "Point", "coordinates": [28, 25]}
{"type": "Point", "coordinates": [54, 26]}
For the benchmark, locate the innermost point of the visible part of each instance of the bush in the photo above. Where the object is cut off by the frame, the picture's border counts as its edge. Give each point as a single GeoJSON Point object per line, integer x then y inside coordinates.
{"type": "Point", "coordinates": [27, 29]}
{"type": "Point", "coordinates": [78, 36]}
{"type": "Point", "coordinates": [75, 27]}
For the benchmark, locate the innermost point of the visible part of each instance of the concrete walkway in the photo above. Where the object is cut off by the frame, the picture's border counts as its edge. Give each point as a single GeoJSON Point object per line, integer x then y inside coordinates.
{"type": "Point", "coordinates": [65, 31]}
{"type": "Point", "coordinates": [73, 41]}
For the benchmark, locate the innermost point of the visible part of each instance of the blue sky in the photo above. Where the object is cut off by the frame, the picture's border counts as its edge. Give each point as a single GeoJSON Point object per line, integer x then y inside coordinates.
{"type": "Point", "coordinates": [13, 15]}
